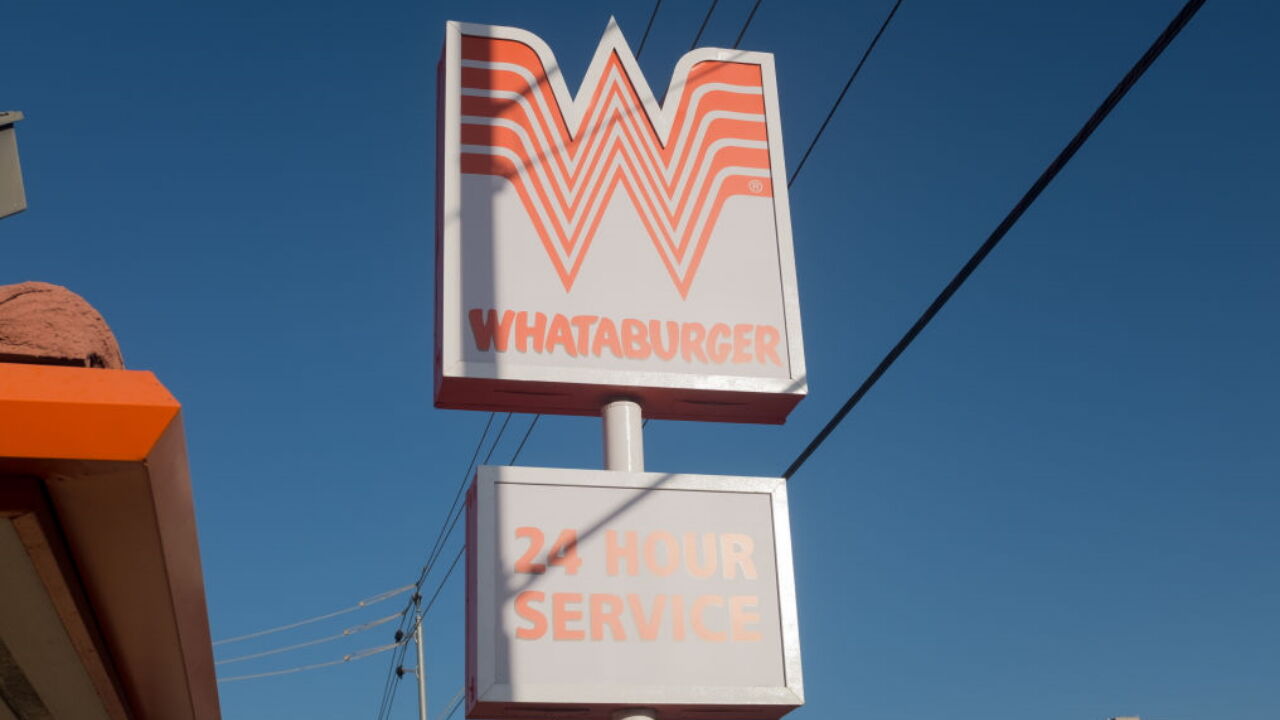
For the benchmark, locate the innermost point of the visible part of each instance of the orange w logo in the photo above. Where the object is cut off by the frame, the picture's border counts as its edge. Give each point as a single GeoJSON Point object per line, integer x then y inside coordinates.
{"type": "Point", "coordinates": [566, 157]}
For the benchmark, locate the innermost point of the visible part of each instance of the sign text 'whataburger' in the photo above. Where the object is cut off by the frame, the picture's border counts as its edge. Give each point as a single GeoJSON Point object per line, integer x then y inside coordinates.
{"type": "Point", "coordinates": [633, 338]}
{"type": "Point", "coordinates": [609, 239]}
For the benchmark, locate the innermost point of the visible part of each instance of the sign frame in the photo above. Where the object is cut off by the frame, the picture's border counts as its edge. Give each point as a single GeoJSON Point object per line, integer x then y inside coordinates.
{"type": "Point", "coordinates": [507, 385]}
{"type": "Point", "coordinates": [487, 698]}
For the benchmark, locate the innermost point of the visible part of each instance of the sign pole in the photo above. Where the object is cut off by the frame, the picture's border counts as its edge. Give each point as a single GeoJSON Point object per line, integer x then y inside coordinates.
{"type": "Point", "coordinates": [422, 671]}
{"type": "Point", "coordinates": [624, 450]}
{"type": "Point", "coordinates": [623, 436]}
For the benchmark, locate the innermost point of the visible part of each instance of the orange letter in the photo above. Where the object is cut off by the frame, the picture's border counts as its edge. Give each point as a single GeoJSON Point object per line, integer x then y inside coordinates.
{"type": "Point", "coordinates": [691, 335]}
{"type": "Point", "coordinates": [601, 617]}
{"type": "Point", "coordinates": [525, 331]}
{"type": "Point", "coordinates": [634, 340]}
{"type": "Point", "coordinates": [606, 336]}
{"type": "Point", "coordinates": [696, 617]}
{"type": "Point", "coordinates": [491, 330]}
{"type": "Point", "coordinates": [691, 554]}
{"type": "Point", "coordinates": [735, 552]}
{"type": "Point", "coordinates": [646, 627]}
{"type": "Point", "coordinates": [767, 344]}
{"type": "Point", "coordinates": [561, 616]}
{"type": "Point", "coordinates": [561, 335]}
{"type": "Point", "coordinates": [583, 323]}
{"type": "Point", "coordinates": [719, 351]}
{"type": "Point", "coordinates": [612, 553]}
{"type": "Point", "coordinates": [651, 553]}
{"type": "Point", "coordinates": [741, 340]}
{"type": "Point", "coordinates": [677, 617]}
{"type": "Point", "coordinates": [537, 621]}
{"type": "Point", "coordinates": [739, 618]}
{"type": "Point", "coordinates": [673, 338]}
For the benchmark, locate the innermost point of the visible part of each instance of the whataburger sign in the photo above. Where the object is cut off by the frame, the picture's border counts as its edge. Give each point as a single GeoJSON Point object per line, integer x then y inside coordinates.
{"type": "Point", "coordinates": [604, 243]}
{"type": "Point", "coordinates": [606, 246]}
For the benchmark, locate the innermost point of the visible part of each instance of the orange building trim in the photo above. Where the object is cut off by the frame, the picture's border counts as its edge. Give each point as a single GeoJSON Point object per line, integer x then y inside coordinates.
{"type": "Point", "coordinates": [94, 477]}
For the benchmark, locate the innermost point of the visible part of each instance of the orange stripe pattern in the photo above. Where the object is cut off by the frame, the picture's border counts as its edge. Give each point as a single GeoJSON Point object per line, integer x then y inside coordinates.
{"type": "Point", "coordinates": [514, 127]}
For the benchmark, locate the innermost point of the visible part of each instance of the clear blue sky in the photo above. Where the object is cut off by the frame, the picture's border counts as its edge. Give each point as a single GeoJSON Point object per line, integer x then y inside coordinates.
{"type": "Point", "coordinates": [1062, 502]}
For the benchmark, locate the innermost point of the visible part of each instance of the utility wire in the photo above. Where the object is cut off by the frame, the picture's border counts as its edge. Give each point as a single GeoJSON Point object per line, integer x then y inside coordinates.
{"type": "Point", "coordinates": [393, 682]}
{"type": "Point", "coordinates": [525, 439]}
{"type": "Point", "coordinates": [451, 520]}
{"type": "Point", "coordinates": [461, 551]}
{"type": "Point", "coordinates": [358, 655]}
{"type": "Point", "coordinates": [459, 505]}
{"type": "Point", "coordinates": [358, 606]}
{"type": "Point", "coordinates": [750, 16]}
{"type": "Point", "coordinates": [501, 431]}
{"type": "Point", "coordinates": [848, 84]}
{"type": "Point", "coordinates": [703, 27]}
{"type": "Point", "coordinates": [648, 27]}
{"type": "Point", "coordinates": [328, 638]}
{"type": "Point", "coordinates": [446, 529]}
{"type": "Point", "coordinates": [462, 484]}
{"type": "Point", "coordinates": [1113, 98]}
{"type": "Point", "coordinates": [452, 707]}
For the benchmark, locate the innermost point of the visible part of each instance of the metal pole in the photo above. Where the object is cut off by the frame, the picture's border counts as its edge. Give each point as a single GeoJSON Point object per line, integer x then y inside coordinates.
{"type": "Point", "coordinates": [623, 436]}
{"type": "Point", "coordinates": [624, 450]}
{"type": "Point", "coordinates": [421, 673]}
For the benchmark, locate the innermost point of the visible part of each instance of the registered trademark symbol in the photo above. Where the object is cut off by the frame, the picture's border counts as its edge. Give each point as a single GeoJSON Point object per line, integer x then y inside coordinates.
{"type": "Point", "coordinates": [755, 186]}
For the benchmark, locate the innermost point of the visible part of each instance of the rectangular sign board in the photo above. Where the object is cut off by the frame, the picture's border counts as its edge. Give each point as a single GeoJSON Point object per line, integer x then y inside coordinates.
{"type": "Point", "coordinates": [590, 591]}
{"type": "Point", "coordinates": [612, 242]}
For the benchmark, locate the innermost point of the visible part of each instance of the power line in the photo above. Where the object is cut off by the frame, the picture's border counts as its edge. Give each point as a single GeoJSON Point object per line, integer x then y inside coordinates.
{"type": "Point", "coordinates": [358, 655]}
{"type": "Point", "coordinates": [466, 475]}
{"type": "Point", "coordinates": [703, 27]}
{"type": "Point", "coordinates": [747, 24]}
{"type": "Point", "coordinates": [452, 707]}
{"type": "Point", "coordinates": [501, 431]}
{"type": "Point", "coordinates": [848, 84]}
{"type": "Point", "coordinates": [388, 699]}
{"type": "Point", "coordinates": [446, 529]}
{"type": "Point", "coordinates": [451, 519]}
{"type": "Point", "coordinates": [525, 439]}
{"type": "Point", "coordinates": [328, 638]}
{"type": "Point", "coordinates": [461, 551]}
{"type": "Point", "coordinates": [358, 606]}
{"type": "Point", "coordinates": [1113, 98]}
{"type": "Point", "coordinates": [648, 27]}
{"type": "Point", "coordinates": [391, 678]}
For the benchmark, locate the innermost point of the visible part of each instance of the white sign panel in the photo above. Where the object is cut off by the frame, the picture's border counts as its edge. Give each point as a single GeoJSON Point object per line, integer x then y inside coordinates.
{"type": "Point", "coordinates": [611, 242]}
{"type": "Point", "coordinates": [590, 591]}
